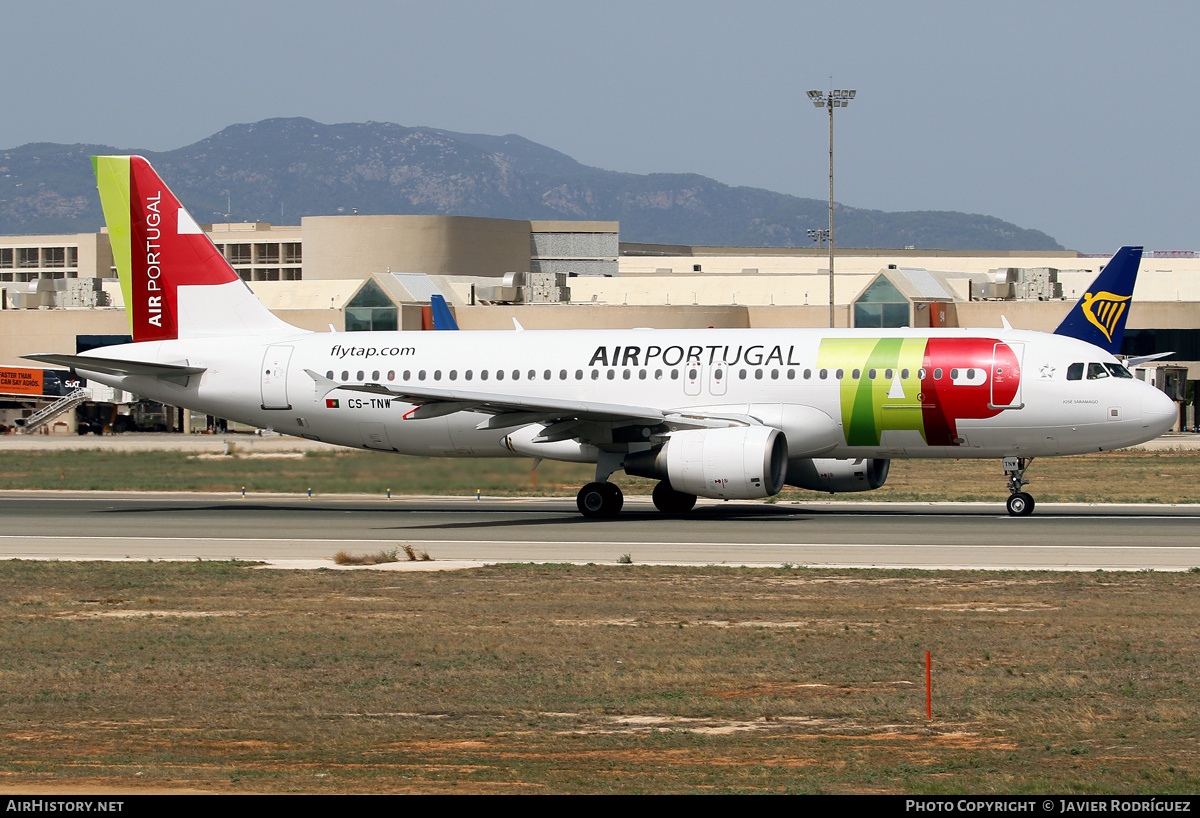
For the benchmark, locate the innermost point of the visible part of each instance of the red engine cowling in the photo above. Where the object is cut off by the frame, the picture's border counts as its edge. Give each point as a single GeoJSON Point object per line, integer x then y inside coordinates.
{"type": "Point", "coordinates": [834, 476]}
{"type": "Point", "coordinates": [738, 463]}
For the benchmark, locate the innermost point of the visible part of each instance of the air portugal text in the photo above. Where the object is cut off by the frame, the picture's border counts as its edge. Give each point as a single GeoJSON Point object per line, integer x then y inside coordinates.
{"type": "Point", "coordinates": [754, 355]}
{"type": "Point", "coordinates": [153, 260]}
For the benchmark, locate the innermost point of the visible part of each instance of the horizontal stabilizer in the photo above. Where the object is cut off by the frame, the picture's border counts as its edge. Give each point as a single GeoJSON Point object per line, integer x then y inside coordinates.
{"type": "Point", "coordinates": [175, 373]}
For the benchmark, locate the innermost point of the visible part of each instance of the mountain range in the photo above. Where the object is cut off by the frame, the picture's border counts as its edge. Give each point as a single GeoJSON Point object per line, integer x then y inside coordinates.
{"type": "Point", "coordinates": [279, 170]}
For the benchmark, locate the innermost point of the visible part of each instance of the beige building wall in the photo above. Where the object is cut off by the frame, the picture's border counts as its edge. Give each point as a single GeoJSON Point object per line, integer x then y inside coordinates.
{"type": "Point", "coordinates": [356, 246]}
{"type": "Point", "coordinates": [25, 332]}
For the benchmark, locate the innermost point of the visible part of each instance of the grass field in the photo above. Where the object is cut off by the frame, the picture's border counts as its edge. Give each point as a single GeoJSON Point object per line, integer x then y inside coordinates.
{"type": "Point", "coordinates": [1155, 477]}
{"type": "Point", "coordinates": [226, 678]}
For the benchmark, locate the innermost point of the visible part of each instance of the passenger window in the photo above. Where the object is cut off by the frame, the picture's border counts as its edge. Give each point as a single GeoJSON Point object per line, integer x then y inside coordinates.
{"type": "Point", "coordinates": [499, 374]}
{"type": "Point", "coordinates": [375, 375]}
{"type": "Point", "coordinates": [359, 377]}
{"type": "Point", "coordinates": [454, 374]}
{"type": "Point", "coordinates": [954, 374]}
{"type": "Point", "coordinates": [329, 374]}
{"type": "Point", "coordinates": [791, 374]}
{"type": "Point", "coordinates": [774, 374]}
{"type": "Point", "coordinates": [612, 373]}
{"type": "Point", "coordinates": [903, 374]}
{"type": "Point", "coordinates": [437, 374]}
{"type": "Point", "coordinates": [595, 374]}
{"type": "Point", "coordinates": [937, 374]}
{"type": "Point", "coordinates": [1096, 372]}
{"type": "Point", "coordinates": [562, 374]}
{"type": "Point", "coordinates": [641, 374]}
{"type": "Point", "coordinates": [674, 374]}
{"type": "Point", "coordinates": [839, 374]}
{"type": "Point", "coordinates": [483, 374]}
{"type": "Point", "coordinates": [1075, 372]}
{"type": "Point", "coordinates": [824, 374]}
{"type": "Point", "coordinates": [658, 374]}
{"type": "Point", "coordinates": [625, 374]}
{"type": "Point", "coordinates": [516, 375]}
{"type": "Point", "coordinates": [579, 374]}
{"type": "Point", "coordinates": [855, 374]}
{"type": "Point", "coordinates": [742, 374]}
{"type": "Point", "coordinates": [921, 374]}
{"type": "Point", "coordinates": [407, 374]}
{"type": "Point", "coordinates": [887, 374]}
{"type": "Point", "coordinates": [421, 375]}
{"type": "Point", "coordinates": [758, 374]}
{"type": "Point", "coordinates": [391, 374]}
{"type": "Point", "coordinates": [718, 374]}
{"type": "Point", "coordinates": [468, 375]}
{"type": "Point", "coordinates": [546, 374]}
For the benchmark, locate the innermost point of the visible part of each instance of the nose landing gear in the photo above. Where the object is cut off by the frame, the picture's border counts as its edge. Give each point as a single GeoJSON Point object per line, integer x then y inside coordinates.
{"type": "Point", "coordinates": [1019, 503]}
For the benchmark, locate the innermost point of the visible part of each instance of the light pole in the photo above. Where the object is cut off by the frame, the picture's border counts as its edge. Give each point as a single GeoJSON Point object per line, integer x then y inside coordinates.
{"type": "Point", "coordinates": [836, 99]}
{"type": "Point", "coordinates": [819, 235]}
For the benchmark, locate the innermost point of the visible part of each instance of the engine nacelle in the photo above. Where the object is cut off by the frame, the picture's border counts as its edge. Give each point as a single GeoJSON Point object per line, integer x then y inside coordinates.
{"type": "Point", "coordinates": [834, 476]}
{"type": "Point", "coordinates": [738, 463]}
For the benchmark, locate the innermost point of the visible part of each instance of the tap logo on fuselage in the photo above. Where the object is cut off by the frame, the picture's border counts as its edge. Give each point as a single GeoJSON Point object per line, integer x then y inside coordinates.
{"type": "Point", "coordinates": [925, 385]}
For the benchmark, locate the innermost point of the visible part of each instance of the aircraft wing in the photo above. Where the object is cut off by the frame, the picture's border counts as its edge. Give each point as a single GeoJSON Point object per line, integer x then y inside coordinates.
{"type": "Point", "coordinates": [178, 373]}
{"type": "Point", "coordinates": [513, 410]}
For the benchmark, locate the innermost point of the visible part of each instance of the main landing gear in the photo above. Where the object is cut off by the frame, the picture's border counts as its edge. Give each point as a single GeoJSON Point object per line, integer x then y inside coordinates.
{"type": "Point", "coordinates": [1020, 503]}
{"type": "Point", "coordinates": [600, 500]}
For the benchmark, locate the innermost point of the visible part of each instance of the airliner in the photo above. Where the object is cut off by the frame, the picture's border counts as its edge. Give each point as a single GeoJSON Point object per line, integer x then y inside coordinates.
{"type": "Point", "coordinates": [715, 413]}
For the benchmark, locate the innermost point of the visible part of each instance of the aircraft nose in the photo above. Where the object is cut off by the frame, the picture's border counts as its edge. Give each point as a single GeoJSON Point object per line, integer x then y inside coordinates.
{"type": "Point", "coordinates": [1159, 412]}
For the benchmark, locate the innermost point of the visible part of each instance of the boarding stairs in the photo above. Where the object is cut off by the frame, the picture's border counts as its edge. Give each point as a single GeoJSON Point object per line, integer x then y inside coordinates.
{"type": "Point", "coordinates": [48, 413]}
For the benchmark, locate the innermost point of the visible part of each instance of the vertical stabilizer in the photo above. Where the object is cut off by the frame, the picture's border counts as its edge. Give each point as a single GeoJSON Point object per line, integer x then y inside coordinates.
{"type": "Point", "coordinates": [442, 317]}
{"type": "Point", "coordinates": [175, 282]}
{"type": "Point", "coordinates": [1099, 317]}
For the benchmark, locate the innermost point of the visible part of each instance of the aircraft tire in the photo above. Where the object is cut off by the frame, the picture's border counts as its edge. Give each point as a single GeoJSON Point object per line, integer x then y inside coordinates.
{"type": "Point", "coordinates": [669, 501]}
{"type": "Point", "coordinates": [1020, 504]}
{"type": "Point", "coordinates": [598, 500]}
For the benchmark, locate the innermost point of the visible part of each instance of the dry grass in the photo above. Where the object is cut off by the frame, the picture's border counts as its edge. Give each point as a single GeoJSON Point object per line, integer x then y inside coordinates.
{"type": "Point", "coordinates": [220, 677]}
{"type": "Point", "coordinates": [378, 558]}
{"type": "Point", "coordinates": [1155, 477]}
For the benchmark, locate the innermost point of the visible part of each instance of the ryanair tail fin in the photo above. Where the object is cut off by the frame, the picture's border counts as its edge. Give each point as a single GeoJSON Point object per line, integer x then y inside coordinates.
{"type": "Point", "coordinates": [1099, 317]}
{"type": "Point", "coordinates": [175, 282]}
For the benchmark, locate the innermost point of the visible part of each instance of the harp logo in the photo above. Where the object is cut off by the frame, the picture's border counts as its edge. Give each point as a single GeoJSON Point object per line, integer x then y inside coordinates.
{"type": "Point", "coordinates": [1104, 310]}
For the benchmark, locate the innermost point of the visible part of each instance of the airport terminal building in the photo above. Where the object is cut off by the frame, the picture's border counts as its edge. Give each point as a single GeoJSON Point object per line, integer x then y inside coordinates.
{"type": "Point", "coordinates": [59, 294]}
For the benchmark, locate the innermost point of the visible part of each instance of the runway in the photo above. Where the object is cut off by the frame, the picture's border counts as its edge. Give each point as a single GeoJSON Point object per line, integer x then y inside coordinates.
{"type": "Point", "coordinates": [290, 530]}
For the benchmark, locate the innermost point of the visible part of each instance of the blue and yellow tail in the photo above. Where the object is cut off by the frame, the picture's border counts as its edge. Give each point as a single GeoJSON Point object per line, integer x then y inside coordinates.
{"type": "Point", "coordinates": [1099, 317]}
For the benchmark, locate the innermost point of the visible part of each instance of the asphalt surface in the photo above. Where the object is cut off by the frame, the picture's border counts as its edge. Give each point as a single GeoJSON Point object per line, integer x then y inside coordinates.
{"type": "Point", "coordinates": [456, 532]}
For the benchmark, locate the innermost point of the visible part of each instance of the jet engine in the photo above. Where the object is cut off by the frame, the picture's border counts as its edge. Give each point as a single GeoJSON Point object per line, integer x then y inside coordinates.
{"type": "Point", "coordinates": [834, 476]}
{"type": "Point", "coordinates": [737, 463]}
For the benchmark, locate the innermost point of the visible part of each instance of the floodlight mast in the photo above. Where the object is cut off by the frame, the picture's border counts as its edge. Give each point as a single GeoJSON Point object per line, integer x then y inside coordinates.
{"type": "Point", "coordinates": [839, 98]}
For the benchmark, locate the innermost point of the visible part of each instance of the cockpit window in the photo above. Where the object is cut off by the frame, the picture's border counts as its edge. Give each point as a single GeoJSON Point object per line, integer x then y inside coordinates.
{"type": "Point", "coordinates": [1075, 372]}
{"type": "Point", "coordinates": [1118, 371]}
{"type": "Point", "coordinates": [1096, 372]}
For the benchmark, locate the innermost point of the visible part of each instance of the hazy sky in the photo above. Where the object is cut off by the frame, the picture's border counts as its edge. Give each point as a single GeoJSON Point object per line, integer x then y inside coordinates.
{"type": "Point", "coordinates": [1076, 118]}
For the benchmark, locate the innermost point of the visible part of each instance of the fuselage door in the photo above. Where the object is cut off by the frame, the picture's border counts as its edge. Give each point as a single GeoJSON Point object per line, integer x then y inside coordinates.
{"type": "Point", "coordinates": [718, 378]}
{"type": "Point", "coordinates": [274, 378]}
{"type": "Point", "coordinates": [1006, 376]}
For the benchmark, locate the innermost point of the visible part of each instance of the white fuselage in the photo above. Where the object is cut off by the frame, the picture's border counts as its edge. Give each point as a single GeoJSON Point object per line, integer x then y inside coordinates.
{"type": "Point", "coordinates": [879, 406]}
